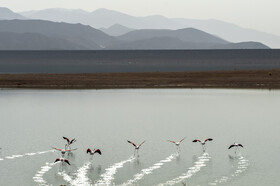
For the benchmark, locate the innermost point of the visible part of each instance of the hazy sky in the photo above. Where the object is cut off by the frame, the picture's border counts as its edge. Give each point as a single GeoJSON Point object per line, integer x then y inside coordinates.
{"type": "Point", "coordinates": [262, 15]}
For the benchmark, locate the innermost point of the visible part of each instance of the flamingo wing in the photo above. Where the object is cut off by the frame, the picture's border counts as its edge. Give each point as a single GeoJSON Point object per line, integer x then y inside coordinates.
{"type": "Point", "coordinates": [196, 140]}
{"type": "Point", "coordinates": [142, 143]}
{"type": "Point", "coordinates": [57, 149]}
{"type": "Point", "coordinates": [66, 139]}
{"type": "Point", "coordinates": [132, 143]}
{"type": "Point", "coordinates": [208, 139]}
{"type": "Point", "coordinates": [88, 150]}
{"type": "Point", "coordinates": [240, 145]}
{"type": "Point", "coordinates": [182, 139]}
{"type": "Point", "coordinates": [231, 146]}
{"type": "Point", "coordinates": [98, 151]}
{"type": "Point", "coordinates": [171, 141]}
{"type": "Point", "coordinates": [67, 162]}
{"type": "Point", "coordinates": [57, 159]}
{"type": "Point", "coordinates": [72, 141]}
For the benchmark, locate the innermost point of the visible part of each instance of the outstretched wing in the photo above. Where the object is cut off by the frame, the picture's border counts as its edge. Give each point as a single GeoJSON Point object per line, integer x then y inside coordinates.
{"type": "Point", "coordinates": [196, 140]}
{"type": "Point", "coordinates": [182, 139]}
{"type": "Point", "coordinates": [57, 149]}
{"type": "Point", "coordinates": [68, 141]}
{"type": "Point", "coordinates": [208, 139]}
{"type": "Point", "coordinates": [231, 146]}
{"type": "Point", "coordinates": [88, 150]}
{"type": "Point", "coordinates": [240, 145]}
{"type": "Point", "coordinates": [141, 143]}
{"type": "Point", "coordinates": [67, 162]}
{"type": "Point", "coordinates": [73, 140]}
{"type": "Point", "coordinates": [171, 141]}
{"type": "Point", "coordinates": [98, 151]}
{"type": "Point", "coordinates": [132, 143]}
{"type": "Point", "coordinates": [57, 159]}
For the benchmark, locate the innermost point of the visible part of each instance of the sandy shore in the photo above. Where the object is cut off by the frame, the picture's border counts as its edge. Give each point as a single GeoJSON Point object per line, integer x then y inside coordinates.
{"type": "Point", "coordinates": [265, 79]}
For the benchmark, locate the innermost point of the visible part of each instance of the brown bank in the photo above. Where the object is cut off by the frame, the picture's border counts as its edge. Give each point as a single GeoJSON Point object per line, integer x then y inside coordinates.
{"type": "Point", "coordinates": [268, 79]}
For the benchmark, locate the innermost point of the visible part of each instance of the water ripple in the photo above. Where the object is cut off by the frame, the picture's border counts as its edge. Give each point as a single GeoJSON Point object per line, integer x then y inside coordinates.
{"type": "Point", "coordinates": [242, 166]}
{"type": "Point", "coordinates": [38, 178]}
{"type": "Point", "coordinates": [27, 154]}
{"type": "Point", "coordinates": [81, 176]}
{"type": "Point", "coordinates": [201, 162]}
{"type": "Point", "coordinates": [149, 170]}
{"type": "Point", "coordinates": [108, 176]}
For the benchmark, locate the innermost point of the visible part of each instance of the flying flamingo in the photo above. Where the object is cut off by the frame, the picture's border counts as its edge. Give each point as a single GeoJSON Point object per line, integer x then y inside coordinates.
{"type": "Point", "coordinates": [177, 143]}
{"type": "Point", "coordinates": [236, 146]}
{"type": "Point", "coordinates": [62, 160]}
{"type": "Point", "coordinates": [136, 146]}
{"type": "Point", "coordinates": [92, 152]}
{"type": "Point", "coordinates": [63, 151]}
{"type": "Point", "coordinates": [203, 142]}
{"type": "Point", "coordinates": [69, 142]}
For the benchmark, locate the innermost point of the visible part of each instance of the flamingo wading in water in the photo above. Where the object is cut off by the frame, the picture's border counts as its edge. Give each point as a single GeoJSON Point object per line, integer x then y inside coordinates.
{"type": "Point", "coordinates": [63, 151]}
{"type": "Point", "coordinates": [69, 142]}
{"type": "Point", "coordinates": [236, 146]}
{"type": "Point", "coordinates": [62, 160]}
{"type": "Point", "coordinates": [177, 143]}
{"type": "Point", "coordinates": [203, 142]}
{"type": "Point", "coordinates": [136, 146]}
{"type": "Point", "coordinates": [92, 152]}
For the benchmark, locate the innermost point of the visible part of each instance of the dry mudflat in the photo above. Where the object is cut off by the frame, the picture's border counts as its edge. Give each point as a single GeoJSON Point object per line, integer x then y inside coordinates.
{"type": "Point", "coordinates": [267, 79]}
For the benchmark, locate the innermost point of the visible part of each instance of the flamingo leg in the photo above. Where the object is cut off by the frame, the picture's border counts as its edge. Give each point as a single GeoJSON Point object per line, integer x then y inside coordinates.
{"type": "Point", "coordinates": [203, 148]}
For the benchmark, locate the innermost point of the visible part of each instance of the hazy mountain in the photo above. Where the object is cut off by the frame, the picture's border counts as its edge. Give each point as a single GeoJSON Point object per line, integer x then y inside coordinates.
{"type": "Point", "coordinates": [104, 18]}
{"type": "Point", "coordinates": [116, 30]}
{"type": "Point", "coordinates": [47, 35]}
{"type": "Point", "coordinates": [59, 15]}
{"type": "Point", "coordinates": [245, 45]}
{"type": "Point", "coordinates": [171, 43]}
{"type": "Point", "coordinates": [34, 41]}
{"type": "Point", "coordinates": [7, 14]}
{"type": "Point", "coordinates": [188, 35]}
{"type": "Point", "coordinates": [84, 36]}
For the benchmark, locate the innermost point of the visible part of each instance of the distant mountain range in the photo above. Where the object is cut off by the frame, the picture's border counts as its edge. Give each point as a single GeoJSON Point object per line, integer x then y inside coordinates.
{"type": "Point", "coordinates": [7, 14]}
{"type": "Point", "coordinates": [47, 35]}
{"type": "Point", "coordinates": [20, 33]}
{"type": "Point", "coordinates": [116, 30]}
{"type": "Point", "coordinates": [103, 18]}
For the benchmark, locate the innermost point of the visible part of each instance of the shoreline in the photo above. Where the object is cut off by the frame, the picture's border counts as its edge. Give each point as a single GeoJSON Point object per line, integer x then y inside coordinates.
{"type": "Point", "coordinates": [243, 79]}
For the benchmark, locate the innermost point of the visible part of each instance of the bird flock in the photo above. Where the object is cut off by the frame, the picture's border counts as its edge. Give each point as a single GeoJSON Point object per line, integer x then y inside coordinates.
{"type": "Point", "coordinates": [69, 150]}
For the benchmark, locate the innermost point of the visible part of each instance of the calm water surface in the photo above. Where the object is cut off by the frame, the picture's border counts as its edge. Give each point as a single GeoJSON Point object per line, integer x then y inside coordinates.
{"type": "Point", "coordinates": [33, 121]}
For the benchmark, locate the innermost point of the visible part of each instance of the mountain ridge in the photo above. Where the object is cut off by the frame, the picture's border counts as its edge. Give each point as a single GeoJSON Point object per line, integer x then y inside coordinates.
{"type": "Point", "coordinates": [104, 18]}
{"type": "Point", "coordinates": [83, 37]}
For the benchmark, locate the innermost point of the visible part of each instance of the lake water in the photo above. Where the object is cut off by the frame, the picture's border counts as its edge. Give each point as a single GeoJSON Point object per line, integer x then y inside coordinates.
{"type": "Point", "coordinates": [136, 61]}
{"type": "Point", "coordinates": [33, 121]}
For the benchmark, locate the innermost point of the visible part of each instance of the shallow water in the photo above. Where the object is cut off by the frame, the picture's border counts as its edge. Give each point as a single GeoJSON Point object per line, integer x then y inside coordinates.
{"type": "Point", "coordinates": [33, 121]}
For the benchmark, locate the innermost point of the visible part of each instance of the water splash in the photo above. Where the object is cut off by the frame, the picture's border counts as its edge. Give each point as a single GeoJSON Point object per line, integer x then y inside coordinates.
{"type": "Point", "coordinates": [27, 154]}
{"type": "Point", "coordinates": [242, 165]}
{"type": "Point", "coordinates": [38, 178]}
{"type": "Point", "coordinates": [65, 176]}
{"type": "Point", "coordinates": [149, 170]}
{"type": "Point", "coordinates": [81, 176]}
{"type": "Point", "coordinates": [201, 162]}
{"type": "Point", "coordinates": [108, 176]}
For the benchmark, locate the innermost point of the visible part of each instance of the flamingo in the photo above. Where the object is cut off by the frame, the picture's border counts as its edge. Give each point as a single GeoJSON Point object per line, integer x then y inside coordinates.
{"type": "Point", "coordinates": [62, 160]}
{"type": "Point", "coordinates": [69, 142]}
{"type": "Point", "coordinates": [136, 146]}
{"type": "Point", "coordinates": [63, 151]}
{"type": "Point", "coordinates": [203, 142]}
{"type": "Point", "coordinates": [236, 146]}
{"type": "Point", "coordinates": [92, 152]}
{"type": "Point", "coordinates": [177, 143]}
